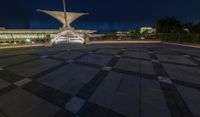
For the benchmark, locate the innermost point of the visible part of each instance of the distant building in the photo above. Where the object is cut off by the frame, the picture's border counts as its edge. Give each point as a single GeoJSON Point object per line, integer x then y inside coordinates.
{"type": "Point", "coordinates": [147, 30]}
{"type": "Point", "coordinates": [35, 35]}
{"type": "Point", "coordinates": [2, 28]}
{"type": "Point", "coordinates": [20, 35]}
{"type": "Point", "coordinates": [65, 33]}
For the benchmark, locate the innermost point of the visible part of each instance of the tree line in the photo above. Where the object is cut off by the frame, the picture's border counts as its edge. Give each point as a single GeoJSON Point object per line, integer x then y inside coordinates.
{"type": "Point", "coordinates": [172, 25]}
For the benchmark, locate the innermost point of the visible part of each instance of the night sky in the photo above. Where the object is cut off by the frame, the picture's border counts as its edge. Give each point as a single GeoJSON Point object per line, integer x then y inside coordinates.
{"type": "Point", "coordinates": [105, 15]}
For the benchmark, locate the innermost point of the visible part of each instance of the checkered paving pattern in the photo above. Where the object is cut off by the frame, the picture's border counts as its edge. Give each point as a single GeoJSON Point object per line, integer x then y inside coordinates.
{"type": "Point", "coordinates": [113, 80]}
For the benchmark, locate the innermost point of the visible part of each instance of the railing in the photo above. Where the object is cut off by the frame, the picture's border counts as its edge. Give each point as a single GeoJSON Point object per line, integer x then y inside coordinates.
{"type": "Point", "coordinates": [67, 36]}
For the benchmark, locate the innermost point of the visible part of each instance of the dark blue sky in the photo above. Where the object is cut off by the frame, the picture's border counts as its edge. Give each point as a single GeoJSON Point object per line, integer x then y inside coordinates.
{"type": "Point", "coordinates": [105, 15]}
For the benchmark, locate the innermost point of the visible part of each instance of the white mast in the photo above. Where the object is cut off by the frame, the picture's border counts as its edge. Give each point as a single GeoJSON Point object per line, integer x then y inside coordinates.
{"type": "Point", "coordinates": [65, 14]}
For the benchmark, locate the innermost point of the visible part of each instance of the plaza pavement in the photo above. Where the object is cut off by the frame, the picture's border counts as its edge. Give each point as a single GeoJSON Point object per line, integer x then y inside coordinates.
{"type": "Point", "coordinates": [100, 80]}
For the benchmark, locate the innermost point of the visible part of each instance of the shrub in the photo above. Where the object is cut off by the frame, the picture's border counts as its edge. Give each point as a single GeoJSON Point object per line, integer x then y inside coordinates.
{"type": "Point", "coordinates": [180, 37]}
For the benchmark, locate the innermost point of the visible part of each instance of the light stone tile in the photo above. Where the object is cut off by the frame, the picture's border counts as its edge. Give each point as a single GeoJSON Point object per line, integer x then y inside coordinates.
{"type": "Point", "coordinates": [126, 105]}
{"type": "Point", "coordinates": [117, 56]}
{"type": "Point", "coordinates": [165, 51]}
{"type": "Point", "coordinates": [119, 93]}
{"type": "Point", "coordinates": [106, 68]}
{"type": "Point", "coordinates": [46, 51]}
{"type": "Point", "coordinates": [72, 86]}
{"type": "Point", "coordinates": [123, 49]}
{"type": "Point", "coordinates": [150, 52]}
{"type": "Point", "coordinates": [155, 61]}
{"type": "Point", "coordinates": [75, 104]}
{"type": "Point", "coordinates": [44, 109]}
{"type": "Point", "coordinates": [126, 98]}
{"type": "Point", "coordinates": [18, 103]}
{"type": "Point", "coordinates": [68, 55]}
{"type": "Point", "coordinates": [3, 84]}
{"type": "Point", "coordinates": [1, 68]}
{"type": "Point", "coordinates": [108, 51]}
{"type": "Point", "coordinates": [68, 50]}
{"type": "Point", "coordinates": [105, 91]}
{"type": "Point", "coordinates": [2, 115]}
{"type": "Point", "coordinates": [135, 66]}
{"type": "Point", "coordinates": [153, 103]}
{"type": "Point", "coordinates": [192, 98]}
{"type": "Point", "coordinates": [70, 61]}
{"type": "Point", "coordinates": [183, 73]}
{"type": "Point", "coordinates": [90, 52]}
{"type": "Point", "coordinates": [44, 56]}
{"type": "Point", "coordinates": [175, 59]}
{"type": "Point", "coordinates": [22, 82]}
{"type": "Point", "coordinates": [69, 78]}
{"type": "Point", "coordinates": [34, 67]}
{"type": "Point", "coordinates": [137, 54]}
{"type": "Point", "coordinates": [187, 56]}
{"type": "Point", "coordinates": [128, 64]}
{"type": "Point", "coordinates": [197, 58]}
{"type": "Point", "coordinates": [96, 59]}
{"type": "Point", "coordinates": [165, 80]}
{"type": "Point", "coordinates": [191, 51]}
{"type": "Point", "coordinates": [16, 59]}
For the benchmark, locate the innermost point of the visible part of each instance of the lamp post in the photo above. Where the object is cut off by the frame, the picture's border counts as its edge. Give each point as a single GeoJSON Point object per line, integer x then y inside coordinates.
{"type": "Point", "coordinates": [65, 14]}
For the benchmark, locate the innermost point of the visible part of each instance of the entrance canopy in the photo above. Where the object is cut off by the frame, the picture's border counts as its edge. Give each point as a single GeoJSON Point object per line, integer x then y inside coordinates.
{"type": "Point", "coordinates": [58, 15]}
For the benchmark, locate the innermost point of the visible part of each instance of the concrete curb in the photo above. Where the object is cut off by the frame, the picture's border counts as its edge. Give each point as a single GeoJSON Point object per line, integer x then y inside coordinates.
{"type": "Point", "coordinates": [116, 42]}
{"type": "Point", "coordinates": [185, 45]}
{"type": "Point", "coordinates": [21, 46]}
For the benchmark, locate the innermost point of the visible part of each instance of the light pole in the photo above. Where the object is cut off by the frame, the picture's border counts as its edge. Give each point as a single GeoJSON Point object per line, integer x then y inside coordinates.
{"type": "Point", "coordinates": [65, 14]}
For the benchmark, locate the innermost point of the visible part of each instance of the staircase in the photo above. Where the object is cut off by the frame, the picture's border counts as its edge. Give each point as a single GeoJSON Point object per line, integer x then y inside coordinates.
{"type": "Point", "coordinates": [67, 37]}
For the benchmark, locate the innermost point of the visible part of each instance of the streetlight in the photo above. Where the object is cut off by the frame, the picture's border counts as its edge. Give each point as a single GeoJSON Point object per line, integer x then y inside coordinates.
{"type": "Point", "coordinates": [65, 14]}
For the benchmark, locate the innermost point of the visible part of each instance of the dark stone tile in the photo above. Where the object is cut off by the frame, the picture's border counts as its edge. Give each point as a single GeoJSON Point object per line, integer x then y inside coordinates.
{"type": "Point", "coordinates": [86, 91]}
{"type": "Point", "coordinates": [50, 94]}
{"type": "Point", "coordinates": [93, 110]}
{"type": "Point", "coordinates": [10, 76]}
{"type": "Point", "coordinates": [64, 113]}
{"type": "Point", "coordinates": [7, 89]}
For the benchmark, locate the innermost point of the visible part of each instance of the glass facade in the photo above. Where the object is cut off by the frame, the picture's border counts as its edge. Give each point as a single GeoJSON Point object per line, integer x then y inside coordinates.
{"type": "Point", "coordinates": [17, 35]}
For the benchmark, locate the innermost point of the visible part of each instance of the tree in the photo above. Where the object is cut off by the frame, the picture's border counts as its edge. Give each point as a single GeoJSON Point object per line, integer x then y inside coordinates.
{"type": "Point", "coordinates": [195, 28]}
{"type": "Point", "coordinates": [169, 25]}
{"type": "Point", "coordinates": [188, 25]}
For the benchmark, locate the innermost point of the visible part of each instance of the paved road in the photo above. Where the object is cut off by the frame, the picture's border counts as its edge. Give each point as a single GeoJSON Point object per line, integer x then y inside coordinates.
{"type": "Point", "coordinates": [111, 80]}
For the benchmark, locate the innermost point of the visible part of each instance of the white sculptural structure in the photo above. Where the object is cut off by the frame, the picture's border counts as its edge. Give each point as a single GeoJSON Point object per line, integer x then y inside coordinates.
{"type": "Point", "coordinates": [68, 34]}
{"type": "Point", "coordinates": [58, 15]}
